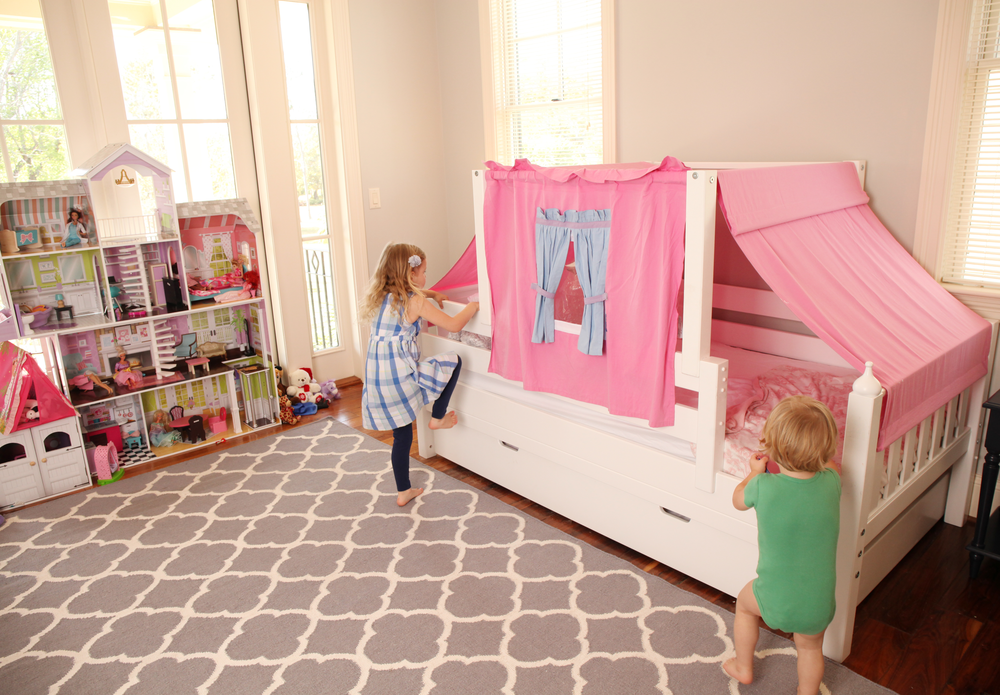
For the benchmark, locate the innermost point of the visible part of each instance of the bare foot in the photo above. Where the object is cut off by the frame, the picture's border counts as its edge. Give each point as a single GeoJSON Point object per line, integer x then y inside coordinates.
{"type": "Point", "coordinates": [731, 667]}
{"type": "Point", "coordinates": [447, 422]}
{"type": "Point", "coordinates": [403, 498]}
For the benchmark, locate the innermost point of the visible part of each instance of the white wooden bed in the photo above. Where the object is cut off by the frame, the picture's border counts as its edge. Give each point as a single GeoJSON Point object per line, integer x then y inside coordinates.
{"type": "Point", "coordinates": [677, 510]}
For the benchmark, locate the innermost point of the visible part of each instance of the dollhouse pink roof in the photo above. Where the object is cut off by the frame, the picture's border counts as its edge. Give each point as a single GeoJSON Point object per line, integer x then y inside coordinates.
{"type": "Point", "coordinates": [20, 379]}
{"type": "Point", "coordinates": [114, 156]}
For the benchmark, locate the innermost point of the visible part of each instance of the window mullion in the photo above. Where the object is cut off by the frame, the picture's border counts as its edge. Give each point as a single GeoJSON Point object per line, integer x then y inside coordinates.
{"type": "Point", "coordinates": [168, 44]}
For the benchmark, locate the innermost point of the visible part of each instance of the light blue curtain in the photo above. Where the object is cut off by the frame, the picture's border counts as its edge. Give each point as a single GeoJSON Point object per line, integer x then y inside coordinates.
{"type": "Point", "coordinates": [551, 246]}
{"type": "Point", "coordinates": [591, 269]}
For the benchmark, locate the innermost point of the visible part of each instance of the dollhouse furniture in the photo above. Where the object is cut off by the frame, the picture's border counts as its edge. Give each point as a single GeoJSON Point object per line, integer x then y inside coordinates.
{"type": "Point", "coordinates": [193, 365]}
{"type": "Point", "coordinates": [187, 347]}
{"type": "Point", "coordinates": [176, 412]}
{"type": "Point", "coordinates": [666, 491]}
{"type": "Point", "coordinates": [112, 434]}
{"type": "Point", "coordinates": [196, 429]}
{"type": "Point", "coordinates": [211, 349]}
{"type": "Point", "coordinates": [60, 310]}
{"type": "Point", "coordinates": [105, 465]}
{"type": "Point", "coordinates": [42, 457]}
{"type": "Point", "coordinates": [217, 423]}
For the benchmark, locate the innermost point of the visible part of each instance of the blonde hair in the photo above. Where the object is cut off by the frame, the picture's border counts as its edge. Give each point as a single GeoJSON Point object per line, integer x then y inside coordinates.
{"type": "Point", "coordinates": [394, 275]}
{"type": "Point", "coordinates": [800, 434]}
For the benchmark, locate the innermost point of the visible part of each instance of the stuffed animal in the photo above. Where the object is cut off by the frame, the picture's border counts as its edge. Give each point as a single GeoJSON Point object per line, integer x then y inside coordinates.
{"type": "Point", "coordinates": [329, 389]}
{"type": "Point", "coordinates": [31, 409]}
{"type": "Point", "coordinates": [288, 416]}
{"type": "Point", "coordinates": [303, 386]}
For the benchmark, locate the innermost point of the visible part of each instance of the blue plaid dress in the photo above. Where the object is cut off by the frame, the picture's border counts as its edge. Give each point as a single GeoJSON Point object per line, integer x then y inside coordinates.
{"type": "Point", "coordinates": [397, 383]}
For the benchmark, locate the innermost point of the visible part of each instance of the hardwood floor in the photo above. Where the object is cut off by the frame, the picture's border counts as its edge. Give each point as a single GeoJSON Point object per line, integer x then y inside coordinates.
{"type": "Point", "coordinates": [926, 629]}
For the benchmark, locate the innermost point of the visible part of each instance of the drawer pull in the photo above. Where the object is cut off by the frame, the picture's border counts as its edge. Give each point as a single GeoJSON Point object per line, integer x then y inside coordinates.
{"type": "Point", "coordinates": [674, 514]}
{"type": "Point", "coordinates": [509, 446]}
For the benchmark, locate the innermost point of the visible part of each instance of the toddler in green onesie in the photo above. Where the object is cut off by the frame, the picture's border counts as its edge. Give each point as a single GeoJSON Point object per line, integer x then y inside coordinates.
{"type": "Point", "coordinates": [798, 521]}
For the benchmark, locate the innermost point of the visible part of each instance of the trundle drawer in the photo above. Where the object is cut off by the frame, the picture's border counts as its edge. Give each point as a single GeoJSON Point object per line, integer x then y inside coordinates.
{"type": "Point", "coordinates": [676, 535]}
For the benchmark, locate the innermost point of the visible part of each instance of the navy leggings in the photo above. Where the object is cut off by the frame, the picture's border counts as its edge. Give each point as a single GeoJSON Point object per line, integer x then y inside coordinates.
{"type": "Point", "coordinates": [402, 437]}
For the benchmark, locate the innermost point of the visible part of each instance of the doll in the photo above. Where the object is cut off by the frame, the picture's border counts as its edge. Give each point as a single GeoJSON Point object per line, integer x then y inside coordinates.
{"type": "Point", "coordinates": [87, 379]}
{"type": "Point", "coordinates": [159, 432]}
{"type": "Point", "coordinates": [124, 376]}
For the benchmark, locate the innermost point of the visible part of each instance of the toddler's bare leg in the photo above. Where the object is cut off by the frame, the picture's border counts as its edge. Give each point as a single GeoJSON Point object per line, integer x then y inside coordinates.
{"type": "Point", "coordinates": [746, 629]}
{"type": "Point", "coordinates": [809, 649]}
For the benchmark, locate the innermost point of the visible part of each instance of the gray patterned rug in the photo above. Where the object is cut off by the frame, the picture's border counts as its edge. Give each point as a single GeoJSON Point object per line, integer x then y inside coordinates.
{"type": "Point", "coordinates": [285, 566]}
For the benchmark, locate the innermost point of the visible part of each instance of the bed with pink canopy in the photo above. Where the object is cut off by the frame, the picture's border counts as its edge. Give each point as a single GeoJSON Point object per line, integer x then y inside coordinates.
{"type": "Point", "coordinates": [612, 378]}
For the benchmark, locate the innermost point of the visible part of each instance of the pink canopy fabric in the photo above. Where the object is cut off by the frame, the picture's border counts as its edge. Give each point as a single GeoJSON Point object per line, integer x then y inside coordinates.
{"type": "Point", "coordinates": [810, 234]}
{"type": "Point", "coordinates": [20, 379]}
{"type": "Point", "coordinates": [463, 273]}
{"type": "Point", "coordinates": [635, 374]}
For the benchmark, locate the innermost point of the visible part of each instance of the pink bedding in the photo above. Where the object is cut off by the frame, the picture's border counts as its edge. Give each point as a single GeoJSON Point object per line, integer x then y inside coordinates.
{"type": "Point", "coordinates": [758, 381]}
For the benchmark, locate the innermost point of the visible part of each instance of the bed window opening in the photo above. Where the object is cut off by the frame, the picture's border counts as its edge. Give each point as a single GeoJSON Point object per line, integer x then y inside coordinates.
{"type": "Point", "coordinates": [572, 258]}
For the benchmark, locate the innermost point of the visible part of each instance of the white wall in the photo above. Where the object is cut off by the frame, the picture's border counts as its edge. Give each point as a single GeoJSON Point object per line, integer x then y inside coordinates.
{"type": "Point", "coordinates": [773, 80]}
{"type": "Point", "coordinates": [462, 110]}
{"type": "Point", "coordinates": [781, 80]}
{"type": "Point", "coordinates": [400, 126]}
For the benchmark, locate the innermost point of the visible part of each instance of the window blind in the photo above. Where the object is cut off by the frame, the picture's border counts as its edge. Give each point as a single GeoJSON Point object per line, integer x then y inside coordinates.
{"type": "Point", "coordinates": [971, 246]}
{"type": "Point", "coordinates": [547, 77]}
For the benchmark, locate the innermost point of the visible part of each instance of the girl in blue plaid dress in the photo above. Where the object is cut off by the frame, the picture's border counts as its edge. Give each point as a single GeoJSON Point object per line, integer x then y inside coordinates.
{"type": "Point", "coordinates": [397, 382]}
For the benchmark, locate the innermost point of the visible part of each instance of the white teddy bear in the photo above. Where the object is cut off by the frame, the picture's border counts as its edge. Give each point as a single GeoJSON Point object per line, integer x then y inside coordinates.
{"type": "Point", "coordinates": [303, 386]}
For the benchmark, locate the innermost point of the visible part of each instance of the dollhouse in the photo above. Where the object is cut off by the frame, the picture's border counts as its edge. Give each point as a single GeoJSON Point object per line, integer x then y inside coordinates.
{"type": "Point", "coordinates": [149, 315]}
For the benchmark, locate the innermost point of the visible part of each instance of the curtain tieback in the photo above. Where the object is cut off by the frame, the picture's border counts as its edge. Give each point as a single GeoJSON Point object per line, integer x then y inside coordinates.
{"type": "Point", "coordinates": [542, 292]}
{"type": "Point", "coordinates": [596, 298]}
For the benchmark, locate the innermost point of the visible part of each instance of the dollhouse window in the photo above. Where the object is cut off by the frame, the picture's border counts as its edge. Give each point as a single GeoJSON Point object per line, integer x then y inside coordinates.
{"type": "Point", "coordinates": [56, 440]}
{"type": "Point", "coordinates": [11, 452]}
{"type": "Point", "coordinates": [71, 268]}
{"type": "Point", "coordinates": [22, 275]}
{"type": "Point", "coordinates": [219, 254]}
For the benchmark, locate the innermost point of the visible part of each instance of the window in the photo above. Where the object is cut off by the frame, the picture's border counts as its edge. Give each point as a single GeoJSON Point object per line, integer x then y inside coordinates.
{"type": "Point", "coordinates": [551, 81]}
{"type": "Point", "coordinates": [971, 248]}
{"type": "Point", "coordinates": [171, 77]}
{"type": "Point", "coordinates": [33, 142]}
{"type": "Point", "coordinates": [307, 144]}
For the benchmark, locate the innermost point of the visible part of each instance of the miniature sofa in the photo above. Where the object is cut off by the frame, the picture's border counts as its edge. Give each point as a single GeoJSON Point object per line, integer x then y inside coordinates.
{"type": "Point", "coordinates": [211, 350]}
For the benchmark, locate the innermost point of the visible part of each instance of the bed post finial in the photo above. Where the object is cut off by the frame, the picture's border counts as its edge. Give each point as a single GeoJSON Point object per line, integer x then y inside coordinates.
{"type": "Point", "coordinates": [867, 384]}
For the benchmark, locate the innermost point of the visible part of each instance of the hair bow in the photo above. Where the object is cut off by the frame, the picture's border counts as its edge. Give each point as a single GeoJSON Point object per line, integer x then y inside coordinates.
{"type": "Point", "coordinates": [415, 261]}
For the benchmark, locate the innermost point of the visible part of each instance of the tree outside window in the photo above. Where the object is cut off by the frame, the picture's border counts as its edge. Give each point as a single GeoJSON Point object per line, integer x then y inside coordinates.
{"type": "Point", "coordinates": [33, 144]}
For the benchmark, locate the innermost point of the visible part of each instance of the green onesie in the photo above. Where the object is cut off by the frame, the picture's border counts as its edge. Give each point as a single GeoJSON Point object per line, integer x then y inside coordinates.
{"type": "Point", "coordinates": [798, 521]}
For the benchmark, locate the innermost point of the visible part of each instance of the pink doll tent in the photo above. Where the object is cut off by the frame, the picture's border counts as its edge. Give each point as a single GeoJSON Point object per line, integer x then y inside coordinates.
{"type": "Point", "coordinates": [22, 379]}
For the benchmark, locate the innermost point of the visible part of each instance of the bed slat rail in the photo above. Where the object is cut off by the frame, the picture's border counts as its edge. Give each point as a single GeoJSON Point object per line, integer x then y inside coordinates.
{"type": "Point", "coordinates": [939, 440]}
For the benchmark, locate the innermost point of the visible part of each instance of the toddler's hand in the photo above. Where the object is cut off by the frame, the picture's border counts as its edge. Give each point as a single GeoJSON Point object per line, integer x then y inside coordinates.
{"type": "Point", "coordinates": [758, 462]}
{"type": "Point", "coordinates": [475, 305]}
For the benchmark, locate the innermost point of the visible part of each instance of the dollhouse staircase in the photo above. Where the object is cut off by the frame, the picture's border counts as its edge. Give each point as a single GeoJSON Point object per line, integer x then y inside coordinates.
{"type": "Point", "coordinates": [164, 341]}
{"type": "Point", "coordinates": [133, 271]}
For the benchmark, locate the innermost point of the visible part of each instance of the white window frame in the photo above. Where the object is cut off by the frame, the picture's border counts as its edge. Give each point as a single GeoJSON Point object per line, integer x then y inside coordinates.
{"type": "Point", "coordinates": [331, 192]}
{"type": "Point", "coordinates": [940, 142]}
{"type": "Point", "coordinates": [607, 76]}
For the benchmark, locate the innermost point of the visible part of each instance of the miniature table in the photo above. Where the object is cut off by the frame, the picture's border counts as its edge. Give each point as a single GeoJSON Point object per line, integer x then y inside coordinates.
{"type": "Point", "coordinates": [181, 424]}
{"type": "Point", "coordinates": [60, 309]}
{"type": "Point", "coordinates": [194, 363]}
{"type": "Point", "coordinates": [985, 545]}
